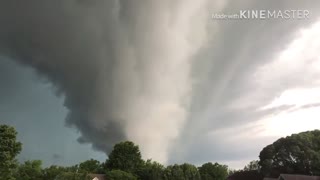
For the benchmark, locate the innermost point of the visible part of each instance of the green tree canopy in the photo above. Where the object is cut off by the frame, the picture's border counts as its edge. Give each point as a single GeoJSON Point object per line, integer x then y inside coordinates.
{"type": "Point", "coordinates": [174, 172]}
{"type": "Point", "coordinates": [119, 175]}
{"type": "Point", "coordinates": [295, 154]}
{"type": "Point", "coordinates": [209, 171]}
{"type": "Point", "coordinates": [151, 170]}
{"type": "Point", "coordinates": [253, 165]}
{"type": "Point", "coordinates": [190, 172]}
{"type": "Point", "coordinates": [90, 166]}
{"type": "Point", "coordinates": [181, 172]}
{"type": "Point", "coordinates": [9, 149]}
{"type": "Point", "coordinates": [125, 156]}
{"type": "Point", "coordinates": [30, 170]}
{"type": "Point", "coordinates": [72, 176]}
{"type": "Point", "coordinates": [74, 168]}
{"type": "Point", "coordinates": [52, 172]}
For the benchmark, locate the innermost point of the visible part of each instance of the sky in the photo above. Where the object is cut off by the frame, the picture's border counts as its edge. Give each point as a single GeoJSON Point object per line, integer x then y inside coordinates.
{"type": "Point", "coordinates": [29, 104]}
{"type": "Point", "coordinates": [77, 77]}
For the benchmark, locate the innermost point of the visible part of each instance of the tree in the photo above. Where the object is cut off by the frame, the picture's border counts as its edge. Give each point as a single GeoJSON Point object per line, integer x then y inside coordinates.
{"type": "Point", "coordinates": [190, 172]}
{"type": "Point", "coordinates": [9, 149]}
{"type": "Point", "coordinates": [72, 176]}
{"type": "Point", "coordinates": [181, 172]}
{"type": "Point", "coordinates": [52, 172]}
{"type": "Point", "coordinates": [253, 165]}
{"type": "Point", "coordinates": [119, 175]}
{"type": "Point", "coordinates": [174, 172]}
{"type": "Point", "coordinates": [151, 170]}
{"type": "Point", "coordinates": [209, 171]}
{"type": "Point", "coordinates": [125, 156]}
{"type": "Point", "coordinates": [74, 168]}
{"type": "Point", "coordinates": [90, 166]}
{"type": "Point", "coordinates": [30, 170]}
{"type": "Point", "coordinates": [232, 171]}
{"type": "Point", "coordinates": [295, 154]}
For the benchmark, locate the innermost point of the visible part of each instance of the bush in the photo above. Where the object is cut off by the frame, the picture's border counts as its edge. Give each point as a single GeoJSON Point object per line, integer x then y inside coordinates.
{"type": "Point", "coordinates": [119, 175]}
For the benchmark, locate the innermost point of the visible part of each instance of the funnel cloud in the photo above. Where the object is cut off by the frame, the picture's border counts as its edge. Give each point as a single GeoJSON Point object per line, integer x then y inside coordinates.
{"type": "Point", "coordinates": [122, 66]}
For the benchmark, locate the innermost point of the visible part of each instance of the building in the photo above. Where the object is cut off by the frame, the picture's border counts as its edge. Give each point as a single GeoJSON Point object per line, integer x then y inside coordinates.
{"type": "Point", "coordinates": [97, 176]}
{"type": "Point", "coordinates": [294, 177]}
{"type": "Point", "coordinates": [297, 177]}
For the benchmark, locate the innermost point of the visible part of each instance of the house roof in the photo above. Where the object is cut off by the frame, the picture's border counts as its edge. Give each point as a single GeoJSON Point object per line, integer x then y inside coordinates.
{"type": "Point", "coordinates": [299, 177]}
{"type": "Point", "coordinates": [97, 176]}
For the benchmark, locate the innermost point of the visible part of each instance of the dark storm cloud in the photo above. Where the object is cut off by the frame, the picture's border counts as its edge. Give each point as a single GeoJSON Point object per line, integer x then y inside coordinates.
{"type": "Point", "coordinates": [121, 65]}
{"type": "Point", "coordinates": [50, 37]}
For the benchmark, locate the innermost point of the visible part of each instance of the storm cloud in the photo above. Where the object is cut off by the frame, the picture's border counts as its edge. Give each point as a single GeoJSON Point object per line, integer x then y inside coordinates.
{"type": "Point", "coordinates": [122, 66]}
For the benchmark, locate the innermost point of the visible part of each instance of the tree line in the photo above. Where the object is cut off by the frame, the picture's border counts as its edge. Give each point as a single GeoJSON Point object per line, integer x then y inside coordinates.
{"type": "Point", "coordinates": [124, 163]}
{"type": "Point", "coordinates": [295, 154]}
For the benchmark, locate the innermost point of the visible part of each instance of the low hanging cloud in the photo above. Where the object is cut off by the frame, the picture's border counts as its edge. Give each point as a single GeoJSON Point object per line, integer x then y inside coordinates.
{"type": "Point", "coordinates": [122, 66]}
